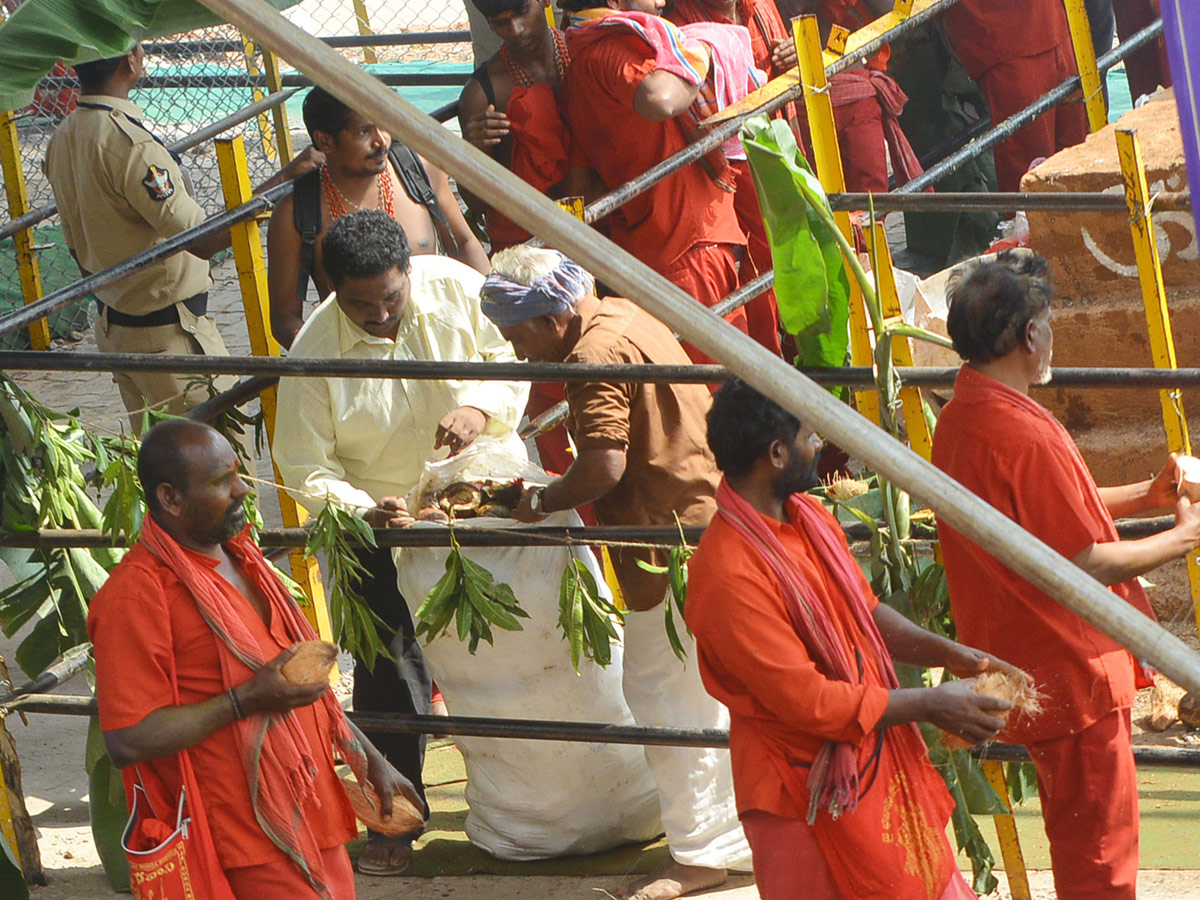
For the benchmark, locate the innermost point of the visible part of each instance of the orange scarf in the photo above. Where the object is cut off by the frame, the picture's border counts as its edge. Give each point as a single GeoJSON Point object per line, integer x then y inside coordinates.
{"type": "Point", "coordinates": [275, 752]}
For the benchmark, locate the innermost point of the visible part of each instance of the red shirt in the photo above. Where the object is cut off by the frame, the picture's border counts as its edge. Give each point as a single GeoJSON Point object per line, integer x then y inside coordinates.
{"type": "Point", "coordinates": [143, 623]}
{"type": "Point", "coordinates": [1001, 445]}
{"type": "Point", "coordinates": [782, 708]}
{"type": "Point", "coordinates": [987, 32]}
{"type": "Point", "coordinates": [679, 212]}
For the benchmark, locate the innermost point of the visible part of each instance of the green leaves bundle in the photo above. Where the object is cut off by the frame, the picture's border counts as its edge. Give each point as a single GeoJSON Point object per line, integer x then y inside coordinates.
{"type": "Point", "coordinates": [585, 617]}
{"type": "Point", "coordinates": [356, 627]}
{"type": "Point", "coordinates": [469, 596]}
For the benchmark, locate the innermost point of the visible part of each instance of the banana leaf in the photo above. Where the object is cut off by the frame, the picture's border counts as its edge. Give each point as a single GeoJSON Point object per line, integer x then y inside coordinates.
{"type": "Point", "coordinates": [42, 32]}
{"type": "Point", "coordinates": [106, 808]}
{"type": "Point", "coordinates": [811, 285]}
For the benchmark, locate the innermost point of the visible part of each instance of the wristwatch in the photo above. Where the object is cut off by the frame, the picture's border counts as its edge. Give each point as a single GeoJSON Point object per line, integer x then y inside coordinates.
{"type": "Point", "coordinates": [535, 501]}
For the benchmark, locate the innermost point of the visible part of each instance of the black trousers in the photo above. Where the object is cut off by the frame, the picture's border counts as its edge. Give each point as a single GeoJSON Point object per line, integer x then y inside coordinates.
{"type": "Point", "coordinates": [403, 686]}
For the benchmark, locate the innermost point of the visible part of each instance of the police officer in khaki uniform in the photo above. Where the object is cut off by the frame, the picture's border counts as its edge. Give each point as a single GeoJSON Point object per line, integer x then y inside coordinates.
{"type": "Point", "coordinates": [119, 191]}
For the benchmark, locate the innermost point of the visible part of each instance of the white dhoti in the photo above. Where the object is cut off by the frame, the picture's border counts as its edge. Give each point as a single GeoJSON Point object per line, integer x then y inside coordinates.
{"type": "Point", "coordinates": [695, 785]}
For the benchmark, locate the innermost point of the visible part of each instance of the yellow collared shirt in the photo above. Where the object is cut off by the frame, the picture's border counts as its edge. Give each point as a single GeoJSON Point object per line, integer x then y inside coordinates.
{"type": "Point", "coordinates": [120, 192]}
{"type": "Point", "coordinates": [360, 439]}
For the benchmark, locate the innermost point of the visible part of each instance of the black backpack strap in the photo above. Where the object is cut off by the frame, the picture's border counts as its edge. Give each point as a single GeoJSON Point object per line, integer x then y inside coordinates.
{"type": "Point", "coordinates": [306, 215]}
{"type": "Point", "coordinates": [416, 184]}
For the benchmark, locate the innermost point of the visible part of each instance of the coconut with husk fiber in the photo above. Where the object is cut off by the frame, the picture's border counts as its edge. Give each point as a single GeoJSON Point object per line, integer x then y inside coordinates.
{"type": "Point", "coordinates": [311, 663]}
{"type": "Point", "coordinates": [1017, 689]}
{"type": "Point", "coordinates": [405, 818]}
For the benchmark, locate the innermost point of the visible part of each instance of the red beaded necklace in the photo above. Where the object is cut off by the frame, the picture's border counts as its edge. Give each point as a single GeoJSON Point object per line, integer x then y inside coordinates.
{"type": "Point", "coordinates": [520, 75]}
{"type": "Point", "coordinates": [337, 200]}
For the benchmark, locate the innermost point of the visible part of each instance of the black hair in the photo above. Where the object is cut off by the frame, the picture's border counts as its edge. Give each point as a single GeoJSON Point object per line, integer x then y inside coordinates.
{"type": "Point", "coordinates": [993, 301]}
{"type": "Point", "coordinates": [493, 8]}
{"type": "Point", "coordinates": [94, 75]}
{"type": "Point", "coordinates": [364, 244]}
{"type": "Point", "coordinates": [324, 112]}
{"type": "Point", "coordinates": [742, 424]}
{"type": "Point", "coordinates": [580, 5]}
{"type": "Point", "coordinates": [162, 457]}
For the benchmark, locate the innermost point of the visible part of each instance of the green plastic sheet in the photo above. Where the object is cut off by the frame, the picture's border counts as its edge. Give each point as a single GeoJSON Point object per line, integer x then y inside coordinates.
{"type": "Point", "coordinates": [41, 32]}
{"type": "Point", "coordinates": [811, 285]}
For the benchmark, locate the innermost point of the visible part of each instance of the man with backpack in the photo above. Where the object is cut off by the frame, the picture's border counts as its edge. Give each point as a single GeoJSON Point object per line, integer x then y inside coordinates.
{"type": "Point", "coordinates": [363, 169]}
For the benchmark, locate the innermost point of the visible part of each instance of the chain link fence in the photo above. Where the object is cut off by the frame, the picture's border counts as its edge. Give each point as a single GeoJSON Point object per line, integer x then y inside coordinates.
{"type": "Point", "coordinates": [196, 78]}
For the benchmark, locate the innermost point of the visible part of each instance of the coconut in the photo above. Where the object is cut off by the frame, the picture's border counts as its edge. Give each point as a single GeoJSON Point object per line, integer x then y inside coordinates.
{"type": "Point", "coordinates": [1017, 689]}
{"type": "Point", "coordinates": [311, 663]}
{"type": "Point", "coordinates": [405, 819]}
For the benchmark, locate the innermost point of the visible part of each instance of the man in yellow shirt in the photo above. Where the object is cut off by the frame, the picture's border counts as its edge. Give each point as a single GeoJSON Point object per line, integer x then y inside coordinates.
{"type": "Point", "coordinates": [362, 442]}
{"type": "Point", "coordinates": [119, 191]}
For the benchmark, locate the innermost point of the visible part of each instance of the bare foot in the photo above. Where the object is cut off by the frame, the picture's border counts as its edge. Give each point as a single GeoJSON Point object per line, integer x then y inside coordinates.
{"type": "Point", "coordinates": [672, 880]}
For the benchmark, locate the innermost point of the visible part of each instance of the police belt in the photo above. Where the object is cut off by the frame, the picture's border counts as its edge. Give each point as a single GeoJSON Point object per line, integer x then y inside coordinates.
{"type": "Point", "coordinates": [168, 315]}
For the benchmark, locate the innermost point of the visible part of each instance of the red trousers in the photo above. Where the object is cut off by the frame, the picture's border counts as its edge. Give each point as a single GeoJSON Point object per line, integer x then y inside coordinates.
{"type": "Point", "coordinates": [1012, 85]}
{"type": "Point", "coordinates": [788, 864]}
{"type": "Point", "coordinates": [709, 272]}
{"type": "Point", "coordinates": [284, 881]}
{"type": "Point", "coordinates": [1088, 786]}
{"type": "Point", "coordinates": [762, 313]}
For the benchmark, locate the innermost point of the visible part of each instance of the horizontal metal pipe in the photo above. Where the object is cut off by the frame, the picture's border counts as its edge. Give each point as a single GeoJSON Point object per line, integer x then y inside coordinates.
{"type": "Point", "coordinates": [848, 376]}
{"type": "Point", "coordinates": [27, 315]}
{"type": "Point", "coordinates": [1144, 757]}
{"type": "Point", "coordinates": [579, 732]}
{"type": "Point", "coordinates": [467, 536]}
{"type": "Point", "coordinates": [245, 80]}
{"type": "Point", "coordinates": [269, 102]}
{"type": "Point", "coordinates": [1019, 120]}
{"type": "Point", "coordinates": [391, 39]}
{"type": "Point", "coordinates": [717, 135]}
{"type": "Point", "coordinates": [1179, 201]}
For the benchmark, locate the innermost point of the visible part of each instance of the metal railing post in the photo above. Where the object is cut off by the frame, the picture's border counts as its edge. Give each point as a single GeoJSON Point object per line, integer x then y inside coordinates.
{"type": "Point", "coordinates": [1158, 316]}
{"type": "Point", "coordinates": [363, 23]}
{"type": "Point", "coordinates": [1085, 62]}
{"type": "Point", "coordinates": [249, 51]}
{"type": "Point", "coordinates": [18, 205]}
{"type": "Point", "coordinates": [252, 276]}
{"type": "Point", "coordinates": [827, 160]}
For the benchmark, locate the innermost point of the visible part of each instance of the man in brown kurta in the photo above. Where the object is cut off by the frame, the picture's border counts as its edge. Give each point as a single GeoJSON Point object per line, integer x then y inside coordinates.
{"type": "Point", "coordinates": [642, 458]}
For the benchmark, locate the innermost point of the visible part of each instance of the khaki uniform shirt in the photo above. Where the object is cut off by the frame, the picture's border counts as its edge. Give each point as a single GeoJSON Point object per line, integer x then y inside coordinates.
{"type": "Point", "coordinates": [119, 192]}
{"type": "Point", "coordinates": [669, 468]}
{"type": "Point", "coordinates": [360, 439]}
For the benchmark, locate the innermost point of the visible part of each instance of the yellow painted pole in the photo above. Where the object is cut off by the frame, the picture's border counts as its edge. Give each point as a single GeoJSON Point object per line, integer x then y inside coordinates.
{"type": "Point", "coordinates": [8, 830]}
{"type": "Point", "coordinates": [911, 405]}
{"type": "Point", "coordinates": [1158, 316]}
{"type": "Point", "coordinates": [252, 276]}
{"type": "Point", "coordinates": [1006, 831]}
{"type": "Point", "coordinates": [18, 205]}
{"type": "Point", "coordinates": [1085, 60]}
{"type": "Point", "coordinates": [364, 27]}
{"type": "Point", "coordinates": [249, 51]}
{"type": "Point", "coordinates": [828, 165]}
{"type": "Point", "coordinates": [283, 130]}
